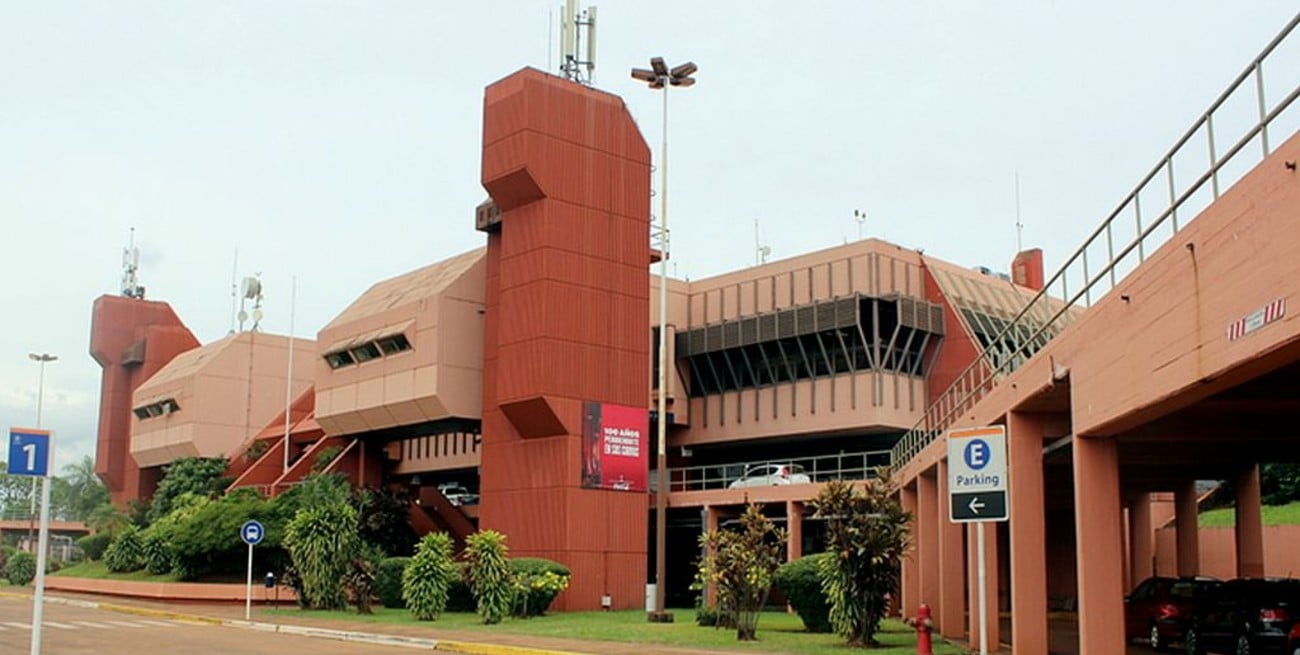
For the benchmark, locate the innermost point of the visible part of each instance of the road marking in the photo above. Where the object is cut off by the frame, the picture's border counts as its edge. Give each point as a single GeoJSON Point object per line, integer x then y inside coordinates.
{"type": "Point", "coordinates": [91, 624]}
{"type": "Point", "coordinates": [61, 626]}
{"type": "Point", "coordinates": [20, 626]}
{"type": "Point", "coordinates": [125, 624]}
{"type": "Point", "coordinates": [161, 624]}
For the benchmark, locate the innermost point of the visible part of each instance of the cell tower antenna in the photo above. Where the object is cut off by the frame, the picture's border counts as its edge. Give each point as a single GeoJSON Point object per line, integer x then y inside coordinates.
{"type": "Point", "coordinates": [131, 270]}
{"type": "Point", "coordinates": [574, 63]}
{"type": "Point", "coordinates": [860, 215]}
{"type": "Point", "coordinates": [1020, 227]}
{"type": "Point", "coordinates": [760, 251]}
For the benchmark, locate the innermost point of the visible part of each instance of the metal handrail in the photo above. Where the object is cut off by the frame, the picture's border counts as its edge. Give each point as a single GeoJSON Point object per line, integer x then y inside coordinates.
{"type": "Point", "coordinates": [982, 374]}
{"type": "Point", "coordinates": [820, 468]}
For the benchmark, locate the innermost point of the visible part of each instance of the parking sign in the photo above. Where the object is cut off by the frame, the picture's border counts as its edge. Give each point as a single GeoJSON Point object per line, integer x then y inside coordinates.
{"type": "Point", "coordinates": [29, 452]}
{"type": "Point", "coordinates": [977, 474]}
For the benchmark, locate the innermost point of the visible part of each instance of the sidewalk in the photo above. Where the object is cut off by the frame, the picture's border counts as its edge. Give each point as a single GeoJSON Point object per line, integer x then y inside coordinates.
{"type": "Point", "coordinates": [462, 641]}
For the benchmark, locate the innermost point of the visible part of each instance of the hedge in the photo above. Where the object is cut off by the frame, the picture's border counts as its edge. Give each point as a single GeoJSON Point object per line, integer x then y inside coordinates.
{"type": "Point", "coordinates": [802, 586]}
{"type": "Point", "coordinates": [388, 582]}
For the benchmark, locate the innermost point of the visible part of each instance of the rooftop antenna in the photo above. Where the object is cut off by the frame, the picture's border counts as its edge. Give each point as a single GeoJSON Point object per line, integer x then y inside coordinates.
{"type": "Point", "coordinates": [760, 251]}
{"type": "Point", "coordinates": [573, 65]}
{"type": "Point", "coordinates": [1020, 227]}
{"type": "Point", "coordinates": [130, 271]}
{"type": "Point", "coordinates": [860, 215]}
{"type": "Point", "coordinates": [234, 290]}
{"type": "Point", "coordinates": [251, 289]}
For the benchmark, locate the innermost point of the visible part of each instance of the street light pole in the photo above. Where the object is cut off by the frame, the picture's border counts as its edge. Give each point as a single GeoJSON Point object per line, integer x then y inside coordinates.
{"type": "Point", "coordinates": [42, 359]}
{"type": "Point", "coordinates": [660, 77]}
{"type": "Point", "coordinates": [42, 545]}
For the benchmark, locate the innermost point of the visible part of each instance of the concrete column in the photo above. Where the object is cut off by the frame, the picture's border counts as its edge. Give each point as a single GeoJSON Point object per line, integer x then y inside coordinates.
{"type": "Point", "coordinates": [1142, 547]}
{"type": "Point", "coordinates": [952, 569]}
{"type": "Point", "coordinates": [1187, 532]}
{"type": "Point", "coordinates": [710, 525]}
{"type": "Point", "coordinates": [1028, 529]}
{"type": "Point", "coordinates": [911, 591]}
{"type": "Point", "coordinates": [1250, 525]}
{"type": "Point", "coordinates": [1099, 545]}
{"type": "Point", "coordinates": [991, 578]}
{"type": "Point", "coordinates": [794, 524]}
{"type": "Point", "coordinates": [927, 538]}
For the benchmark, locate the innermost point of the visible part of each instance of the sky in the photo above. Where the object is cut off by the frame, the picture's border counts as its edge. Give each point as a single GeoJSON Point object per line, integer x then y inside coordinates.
{"type": "Point", "coordinates": [337, 143]}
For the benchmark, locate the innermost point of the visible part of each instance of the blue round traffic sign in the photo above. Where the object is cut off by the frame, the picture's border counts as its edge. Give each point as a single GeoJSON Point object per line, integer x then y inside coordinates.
{"type": "Point", "coordinates": [977, 454]}
{"type": "Point", "coordinates": [252, 533]}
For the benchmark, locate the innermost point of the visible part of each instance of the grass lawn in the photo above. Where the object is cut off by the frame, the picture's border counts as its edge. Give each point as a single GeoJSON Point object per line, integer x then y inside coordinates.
{"type": "Point", "coordinates": [777, 631]}
{"type": "Point", "coordinates": [97, 571]}
{"type": "Point", "coordinates": [1288, 514]}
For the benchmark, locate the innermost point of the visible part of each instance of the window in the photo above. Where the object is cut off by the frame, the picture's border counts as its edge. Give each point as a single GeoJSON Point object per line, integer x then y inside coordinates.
{"type": "Point", "coordinates": [160, 408]}
{"type": "Point", "coordinates": [394, 344]}
{"type": "Point", "coordinates": [365, 352]}
{"type": "Point", "coordinates": [339, 359]}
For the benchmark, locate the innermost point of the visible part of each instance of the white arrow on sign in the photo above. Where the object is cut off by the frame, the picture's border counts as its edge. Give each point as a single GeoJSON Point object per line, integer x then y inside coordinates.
{"type": "Point", "coordinates": [975, 505]}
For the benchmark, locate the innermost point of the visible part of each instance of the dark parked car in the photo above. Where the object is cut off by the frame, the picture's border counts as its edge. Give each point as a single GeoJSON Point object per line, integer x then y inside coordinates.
{"type": "Point", "coordinates": [1247, 616]}
{"type": "Point", "coordinates": [1158, 610]}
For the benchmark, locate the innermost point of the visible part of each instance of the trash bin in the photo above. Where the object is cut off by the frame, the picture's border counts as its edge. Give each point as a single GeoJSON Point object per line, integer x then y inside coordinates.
{"type": "Point", "coordinates": [650, 597]}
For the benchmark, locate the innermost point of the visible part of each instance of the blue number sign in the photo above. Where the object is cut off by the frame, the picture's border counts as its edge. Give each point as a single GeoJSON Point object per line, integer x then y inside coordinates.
{"type": "Point", "coordinates": [29, 452]}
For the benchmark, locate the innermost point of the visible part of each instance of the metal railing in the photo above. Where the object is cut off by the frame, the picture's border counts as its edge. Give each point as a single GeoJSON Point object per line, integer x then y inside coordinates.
{"type": "Point", "coordinates": [1143, 221]}
{"type": "Point", "coordinates": [821, 468]}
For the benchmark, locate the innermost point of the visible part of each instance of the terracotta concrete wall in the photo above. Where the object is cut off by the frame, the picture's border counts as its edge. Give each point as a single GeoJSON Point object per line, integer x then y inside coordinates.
{"type": "Point", "coordinates": [131, 340]}
{"type": "Point", "coordinates": [568, 302]}
{"type": "Point", "coordinates": [227, 391]}
{"type": "Point", "coordinates": [1218, 556]}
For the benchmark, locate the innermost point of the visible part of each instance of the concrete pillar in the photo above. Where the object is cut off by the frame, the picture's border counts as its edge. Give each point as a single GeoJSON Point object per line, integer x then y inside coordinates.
{"type": "Point", "coordinates": [1142, 549]}
{"type": "Point", "coordinates": [952, 569]}
{"type": "Point", "coordinates": [1250, 525]}
{"type": "Point", "coordinates": [1028, 529]}
{"type": "Point", "coordinates": [927, 541]}
{"type": "Point", "coordinates": [1187, 532]}
{"type": "Point", "coordinates": [1099, 545]}
{"type": "Point", "coordinates": [991, 578]}
{"type": "Point", "coordinates": [710, 525]}
{"type": "Point", "coordinates": [794, 524]}
{"type": "Point", "coordinates": [911, 591]}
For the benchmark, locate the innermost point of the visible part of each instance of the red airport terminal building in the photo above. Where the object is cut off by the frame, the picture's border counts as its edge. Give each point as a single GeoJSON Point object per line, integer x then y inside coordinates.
{"type": "Point", "coordinates": [525, 372]}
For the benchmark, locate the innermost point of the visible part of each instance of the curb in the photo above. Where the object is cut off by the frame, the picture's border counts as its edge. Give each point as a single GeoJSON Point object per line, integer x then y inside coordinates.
{"type": "Point", "coordinates": [466, 647]}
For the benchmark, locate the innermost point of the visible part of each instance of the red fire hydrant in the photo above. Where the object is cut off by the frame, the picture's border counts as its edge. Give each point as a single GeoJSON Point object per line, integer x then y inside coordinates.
{"type": "Point", "coordinates": [924, 626]}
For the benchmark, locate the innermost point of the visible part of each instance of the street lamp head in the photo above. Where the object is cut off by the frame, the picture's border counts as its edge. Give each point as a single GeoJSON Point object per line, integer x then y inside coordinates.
{"type": "Point", "coordinates": [43, 357]}
{"type": "Point", "coordinates": [684, 70]}
{"type": "Point", "coordinates": [644, 75]}
{"type": "Point", "coordinates": [660, 68]}
{"type": "Point", "coordinates": [685, 81]}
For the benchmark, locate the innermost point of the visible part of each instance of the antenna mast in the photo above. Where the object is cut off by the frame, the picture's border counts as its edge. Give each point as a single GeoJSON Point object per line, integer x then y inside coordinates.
{"type": "Point", "coordinates": [760, 251]}
{"type": "Point", "coordinates": [860, 215]}
{"type": "Point", "coordinates": [573, 23]}
{"type": "Point", "coordinates": [130, 271]}
{"type": "Point", "coordinates": [1020, 227]}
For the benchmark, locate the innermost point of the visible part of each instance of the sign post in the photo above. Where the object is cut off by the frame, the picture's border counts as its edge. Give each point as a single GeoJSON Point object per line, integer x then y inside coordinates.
{"type": "Point", "coordinates": [977, 493]}
{"type": "Point", "coordinates": [30, 452]}
{"type": "Point", "coordinates": [252, 533]}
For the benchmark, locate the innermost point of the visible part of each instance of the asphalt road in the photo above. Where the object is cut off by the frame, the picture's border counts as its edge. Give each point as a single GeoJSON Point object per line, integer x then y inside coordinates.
{"type": "Point", "coordinates": [79, 631]}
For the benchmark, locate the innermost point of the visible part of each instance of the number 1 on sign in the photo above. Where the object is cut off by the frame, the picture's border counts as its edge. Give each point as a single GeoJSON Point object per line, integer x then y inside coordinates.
{"type": "Point", "coordinates": [30, 451]}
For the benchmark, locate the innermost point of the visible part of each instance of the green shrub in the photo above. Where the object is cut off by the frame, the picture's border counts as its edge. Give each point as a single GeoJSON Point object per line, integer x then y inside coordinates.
{"type": "Point", "coordinates": [460, 598]}
{"type": "Point", "coordinates": [388, 582]}
{"type": "Point", "coordinates": [126, 553]}
{"type": "Point", "coordinates": [158, 555]}
{"type": "Point", "coordinates": [192, 475]}
{"type": "Point", "coordinates": [20, 569]}
{"type": "Point", "coordinates": [93, 545]}
{"type": "Point", "coordinates": [537, 582]}
{"type": "Point", "coordinates": [489, 574]}
{"type": "Point", "coordinates": [324, 457]}
{"type": "Point", "coordinates": [426, 582]}
{"type": "Point", "coordinates": [322, 543]}
{"type": "Point", "coordinates": [801, 583]}
{"type": "Point", "coordinates": [6, 551]}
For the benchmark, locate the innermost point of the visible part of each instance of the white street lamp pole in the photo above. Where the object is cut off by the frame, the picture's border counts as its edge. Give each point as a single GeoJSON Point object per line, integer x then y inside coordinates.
{"type": "Point", "coordinates": [38, 605]}
{"type": "Point", "coordinates": [42, 359]}
{"type": "Point", "coordinates": [660, 77]}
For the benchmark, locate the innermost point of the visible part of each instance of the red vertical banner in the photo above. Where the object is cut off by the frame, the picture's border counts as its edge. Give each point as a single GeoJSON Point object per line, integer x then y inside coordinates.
{"type": "Point", "coordinates": [615, 447]}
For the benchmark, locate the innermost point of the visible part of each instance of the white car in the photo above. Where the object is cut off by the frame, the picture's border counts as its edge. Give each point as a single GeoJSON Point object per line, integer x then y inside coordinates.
{"type": "Point", "coordinates": [771, 475]}
{"type": "Point", "coordinates": [458, 495]}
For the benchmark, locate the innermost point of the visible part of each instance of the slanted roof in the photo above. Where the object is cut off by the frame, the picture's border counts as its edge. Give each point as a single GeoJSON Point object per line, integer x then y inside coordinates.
{"type": "Point", "coordinates": [408, 288]}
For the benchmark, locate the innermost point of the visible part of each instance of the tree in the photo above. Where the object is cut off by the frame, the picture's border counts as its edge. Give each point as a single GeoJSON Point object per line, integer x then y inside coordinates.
{"type": "Point", "coordinates": [107, 519]}
{"type": "Point", "coordinates": [85, 490]}
{"type": "Point", "coordinates": [867, 533]}
{"type": "Point", "coordinates": [195, 475]}
{"type": "Point", "coordinates": [322, 543]}
{"type": "Point", "coordinates": [489, 574]}
{"type": "Point", "coordinates": [427, 580]}
{"type": "Point", "coordinates": [742, 564]}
